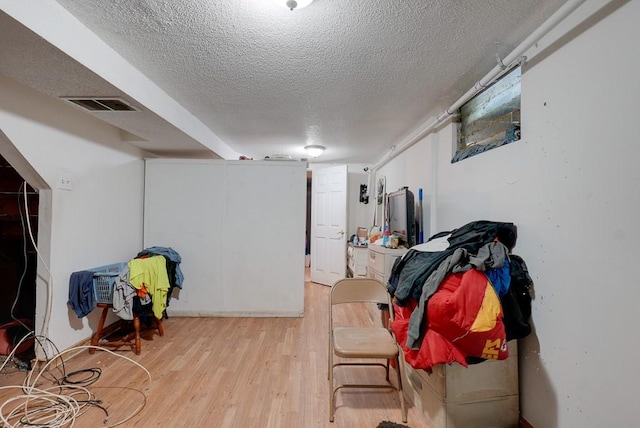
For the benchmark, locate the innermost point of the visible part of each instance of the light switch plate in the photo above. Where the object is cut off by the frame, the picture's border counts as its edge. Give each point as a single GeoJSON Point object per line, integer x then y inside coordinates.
{"type": "Point", "coordinates": [64, 182]}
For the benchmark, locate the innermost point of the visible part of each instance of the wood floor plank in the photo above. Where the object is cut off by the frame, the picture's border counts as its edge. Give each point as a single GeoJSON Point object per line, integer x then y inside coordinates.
{"type": "Point", "coordinates": [235, 372]}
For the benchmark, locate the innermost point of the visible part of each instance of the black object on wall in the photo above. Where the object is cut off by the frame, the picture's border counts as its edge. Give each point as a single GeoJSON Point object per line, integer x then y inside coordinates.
{"type": "Point", "coordinates": [364, 198]}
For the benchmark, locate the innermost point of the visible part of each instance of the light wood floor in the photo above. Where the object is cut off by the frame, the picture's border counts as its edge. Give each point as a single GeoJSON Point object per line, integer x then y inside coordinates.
{"type": "Point", "coordinates": [235, 372]}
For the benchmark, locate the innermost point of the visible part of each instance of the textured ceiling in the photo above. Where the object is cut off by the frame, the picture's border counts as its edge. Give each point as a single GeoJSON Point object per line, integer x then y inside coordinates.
{"type": "Point", "coordinates": [354, 75]}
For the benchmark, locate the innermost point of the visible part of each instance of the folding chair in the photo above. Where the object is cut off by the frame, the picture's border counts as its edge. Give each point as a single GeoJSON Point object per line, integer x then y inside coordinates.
{"type": "Point", "coordinates": [356, 342]}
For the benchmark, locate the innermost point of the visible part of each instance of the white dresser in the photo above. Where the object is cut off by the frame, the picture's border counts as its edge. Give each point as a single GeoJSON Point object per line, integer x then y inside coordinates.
{"type": "Point", "coordinates": [356, 261]}
{"type": "Point", "coordinates": [381, 261]}
{"type": "Point", "coordinates": [379, 265]}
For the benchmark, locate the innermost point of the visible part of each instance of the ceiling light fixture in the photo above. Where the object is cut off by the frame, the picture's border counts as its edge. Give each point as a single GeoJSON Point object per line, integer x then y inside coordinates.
{"type": "Point", "coordinates": [294, 4]}
{"type": "Point", "coordinates": [314, 150]}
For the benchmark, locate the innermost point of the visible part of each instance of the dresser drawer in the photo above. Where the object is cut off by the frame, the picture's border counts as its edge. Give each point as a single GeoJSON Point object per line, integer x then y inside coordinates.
{"type": "Point", "coordinates": [376, 261]}
{"type": "Point", "coordinates": [380, 261]}
{"type": "Point", "coordinates": [482, 395]}
{"type": "Point", "coordinates": [375, 275]}
{"type": "Point", "coordinates": [357, 260]}
{"type": "Point", "coordinates": [453, 382]}
{"type": "Point", "coordinates": [359, 269]}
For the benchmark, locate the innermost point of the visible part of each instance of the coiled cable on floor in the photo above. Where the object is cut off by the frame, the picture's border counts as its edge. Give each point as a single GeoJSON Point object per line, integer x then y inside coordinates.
{"type": "Point", "coordinates": [62, 404]}
{"type": "Point", "coordinates": [94, 375]}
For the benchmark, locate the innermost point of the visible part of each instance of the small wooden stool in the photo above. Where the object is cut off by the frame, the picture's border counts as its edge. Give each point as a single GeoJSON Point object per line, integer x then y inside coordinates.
{"type": "Point", "coordinates": [125, 341]}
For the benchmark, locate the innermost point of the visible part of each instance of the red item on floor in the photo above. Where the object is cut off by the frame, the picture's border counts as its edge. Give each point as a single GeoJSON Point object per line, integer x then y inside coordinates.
{"type": "Point", "coordinates": [10, 335]}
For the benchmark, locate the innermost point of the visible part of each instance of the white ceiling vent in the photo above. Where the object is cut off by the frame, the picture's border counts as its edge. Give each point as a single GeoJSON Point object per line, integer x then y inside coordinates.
{"type": "Point", "coordinates": [101, 103]}
{"type": "Point", "coordinates": [279, 157]}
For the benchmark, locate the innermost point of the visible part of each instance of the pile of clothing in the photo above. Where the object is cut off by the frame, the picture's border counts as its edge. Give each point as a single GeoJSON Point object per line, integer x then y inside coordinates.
{"type": "Point", "coordinates": [461, 296]}
{"type": "Point", "coordinates": [144, 285]}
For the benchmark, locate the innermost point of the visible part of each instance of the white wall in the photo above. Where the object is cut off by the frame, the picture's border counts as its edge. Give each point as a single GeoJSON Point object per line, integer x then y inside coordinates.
{"type": "Point", "coordinates": [569, 186]}
{"type": "Point", "coordinates": [239, 227]}
{"type": "Point", "coordinates": [413, 169]}
{"type": "Point", "coordinates": [98, 222]}
{"type": "Point", "coordinates": [358, 214]}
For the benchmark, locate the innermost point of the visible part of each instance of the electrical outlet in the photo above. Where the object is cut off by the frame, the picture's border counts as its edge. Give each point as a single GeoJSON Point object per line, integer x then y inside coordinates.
{"type": "Point", "coordinates": [64, 182]}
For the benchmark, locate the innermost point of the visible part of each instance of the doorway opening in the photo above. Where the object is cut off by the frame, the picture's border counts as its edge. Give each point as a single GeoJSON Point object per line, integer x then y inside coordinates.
{"type": "Point", "coordinates": [19, 204]}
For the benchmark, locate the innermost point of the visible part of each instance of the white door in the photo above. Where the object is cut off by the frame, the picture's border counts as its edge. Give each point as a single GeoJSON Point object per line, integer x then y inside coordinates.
{"type": "Point", "coordinates": [328, 224]}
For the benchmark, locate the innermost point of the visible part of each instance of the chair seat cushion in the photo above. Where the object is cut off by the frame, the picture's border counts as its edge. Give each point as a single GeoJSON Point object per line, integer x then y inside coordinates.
{"type": "Point", "coordinates": [354, 342]}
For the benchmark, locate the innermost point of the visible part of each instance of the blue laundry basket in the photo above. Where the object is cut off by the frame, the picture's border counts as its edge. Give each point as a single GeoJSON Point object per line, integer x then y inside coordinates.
{"type": "Point", "coordinates": [104, 279]}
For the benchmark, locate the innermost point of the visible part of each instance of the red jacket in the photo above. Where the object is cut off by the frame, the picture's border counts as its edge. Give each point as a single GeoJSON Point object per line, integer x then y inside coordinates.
{"type": "Point", "coordinates": [464, 320]}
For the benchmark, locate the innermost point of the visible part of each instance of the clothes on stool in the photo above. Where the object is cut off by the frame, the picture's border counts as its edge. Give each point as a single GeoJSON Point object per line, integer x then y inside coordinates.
{"type": "Point", "coordinates": [81, 297]}
{"type": "Point", "coordinates": [176, 278]}
{"type": "Point", "coordinates": [123, 294]}
{"type": "Point", "coordinates": [151, 273]}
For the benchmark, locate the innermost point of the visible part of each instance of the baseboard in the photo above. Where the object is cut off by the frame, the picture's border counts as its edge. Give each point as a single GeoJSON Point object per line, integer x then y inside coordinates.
{"type": "Point", "coordinates": [234, 314]}
{"type": "Point", "coordinates": [524, 423]}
